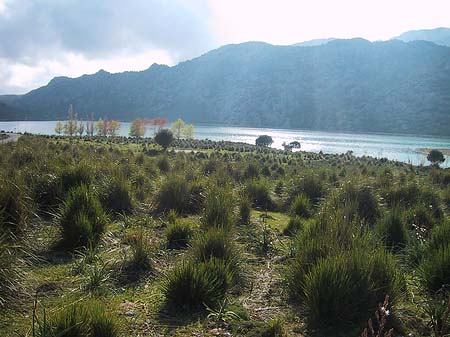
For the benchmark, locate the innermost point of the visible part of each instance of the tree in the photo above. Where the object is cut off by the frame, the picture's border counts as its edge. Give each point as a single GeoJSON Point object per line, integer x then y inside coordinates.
{"type": "Point", "coordinates": [113, 128]}
{"type": "Point", "coordinates": [71, 126]}
{"type": "Point", "coordinates": [436, 157]}
{"type": "Point", "coordinates": [80, 129]}
{"type": "Point", "coordinates": [295, 144]}
{"type": "Point", "coordinates": [264, 140]}
{"type": "Point", "coordinates": [90, 126]}
{"type": "Point", "coordinates": [188, 131]}
{"type": "Point", "coordinates": [137, 128]}
{"type": "Point", "coordinates": [177, 128]}
{"type": "Point", "coordinates": [59, 128]}
{"type": "Point", "coordinates": [164, 138]}
{"type": "Point", "coordinates": [102, 127]}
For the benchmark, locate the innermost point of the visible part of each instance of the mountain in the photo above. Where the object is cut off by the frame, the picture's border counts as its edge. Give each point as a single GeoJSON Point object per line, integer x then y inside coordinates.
{"type": "Point", "coordinates": [314, 43]}
{"type": "Point", "coordinates": [344, 85]}
{"type": "Point", "coordinates": [439, 36]}
{"type": "Point", "coordinates": [7, 112]}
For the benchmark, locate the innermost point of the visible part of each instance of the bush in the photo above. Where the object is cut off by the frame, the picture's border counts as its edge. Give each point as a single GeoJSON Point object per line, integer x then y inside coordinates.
{"type": "Point", "coordinates": [192, 284]}
{"type": "Point", "coordinates": [81, 218]}
{"type": "Point", "coordinates": [164, 138]}
{"type": "Point", "coordinates": [310, 185]}
{"type": "Point", "coordinates": [47, 193]}
{"type": "Point", "coordinates": [392, 230]}
{"type": "Point", "coordinates": [163, 164]}
{"type": "Point", "coordinates": [178, 234]}
{"type": "Point", "coordinates": [258, 193]}
{"type": "Point", "coordinates": [218, 210]}
{"type": "Point", "coordinates": [301, 206]}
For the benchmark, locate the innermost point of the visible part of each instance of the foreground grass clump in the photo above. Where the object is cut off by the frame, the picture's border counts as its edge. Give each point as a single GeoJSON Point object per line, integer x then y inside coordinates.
{"type": "Point", "coordinates": [14, 207]}
{"type": "Point", "coordinates": [218, 210]}
{"type": "Point", "coordinates": [301, 206]}
{"type": "Point", "coordinates": [191, 285]}
{"type": "Point", "coordinates": [178, 234]}
{"type": "Point", "coordinates": [116, 196]}
{"type": "Point", "coordinates": [11, 274]}
{"type": "Point", "coordinates": [177, 194]}
{"type": "Point", "coordinates": [392, 230]}
{"type": "Point", "coordinates": [435, 266]}
{"type": "Point", "coordinates": [77, 320]}
{"type": "Point", "coordinates": [81, 218]}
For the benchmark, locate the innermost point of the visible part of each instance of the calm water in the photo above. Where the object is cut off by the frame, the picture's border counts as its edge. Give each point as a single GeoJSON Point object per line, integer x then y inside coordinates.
{"type": "Point", "coordinates": [401, 148]}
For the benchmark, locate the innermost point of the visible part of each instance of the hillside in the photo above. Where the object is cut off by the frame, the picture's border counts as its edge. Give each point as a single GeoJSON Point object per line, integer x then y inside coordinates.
{"type": "Point", "coordinates": [344, 85]}
{"type": "Point", "coordinates": [439, 36]}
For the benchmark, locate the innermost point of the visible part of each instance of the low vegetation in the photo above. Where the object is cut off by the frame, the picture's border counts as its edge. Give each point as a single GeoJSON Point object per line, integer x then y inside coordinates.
{"type": "Point", "coordinates": [184, 237]}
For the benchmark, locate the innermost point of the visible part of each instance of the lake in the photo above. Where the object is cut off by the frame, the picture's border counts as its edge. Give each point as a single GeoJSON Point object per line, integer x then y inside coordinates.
{"type": "Point", "coordinates": [394, 147]}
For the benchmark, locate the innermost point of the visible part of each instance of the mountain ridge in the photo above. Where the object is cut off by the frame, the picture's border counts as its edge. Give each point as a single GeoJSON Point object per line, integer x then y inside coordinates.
{"type": "Point", "coordinates": [343, 85]}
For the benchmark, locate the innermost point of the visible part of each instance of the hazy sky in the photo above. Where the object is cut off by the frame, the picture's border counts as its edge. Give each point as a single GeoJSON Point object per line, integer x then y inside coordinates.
{"type": "Point", "coordinates": [40, 39]}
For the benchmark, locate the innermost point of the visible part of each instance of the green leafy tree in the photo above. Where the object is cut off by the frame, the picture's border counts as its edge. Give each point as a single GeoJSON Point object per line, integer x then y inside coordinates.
{"type": "Point", "coordinates": [137, 128]}
{"type": "Point", "coordinates": [188, 131]}
{"type": "Point", "coordinates": [101, 127]}
{"type": "Point", "coordinates": [264, 140]}
{"type": "Point", "coordinates": [436, 157]}
{"type": "Point", "coordinates": [164, 138]}
{"type": "Point", "coordinates": [177, 128]}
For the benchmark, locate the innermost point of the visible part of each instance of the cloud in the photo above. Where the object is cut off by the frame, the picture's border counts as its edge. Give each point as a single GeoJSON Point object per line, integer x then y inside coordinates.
{"type": "Point", "coordinates": [45, 38]}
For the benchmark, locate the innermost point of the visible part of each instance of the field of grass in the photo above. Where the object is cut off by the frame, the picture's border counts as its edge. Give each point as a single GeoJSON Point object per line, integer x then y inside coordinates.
{"type": "Point", "coordinates": [116, 237]}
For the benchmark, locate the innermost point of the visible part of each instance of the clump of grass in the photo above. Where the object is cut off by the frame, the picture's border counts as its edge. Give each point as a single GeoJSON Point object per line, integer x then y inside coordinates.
{"type": "Point", "coordinates": [177, 194]}
{"type": "Point", "coordinates": [244, 211]}
{"type": "Point", "coordinates": [163, 164]}
{"type": "Point", "coordinates": [14, 207]}
{"type": "Point", "coordinates": [301, 206]}
{"type": "Point", "coordinates": [81, 218]}
{"type": "Point", "coordinates": [75, 176]}
{"type": "Point", "coordinates": [47, 193]}
{"type": "Point", "coordinates": [140, 252]}
{"type": "Point", "coordinates": [191, 285]}
{"type": "Point", "coordinates": [258, 192]}
{"type": "Point", "coordinates": [392, 230]}
{"type": "Point", "coordinates": [293, 226]}
{"type": "Point", "coordinates": [218, 212]}
{"type": "Point", "coordinates": [116, 196]}
{"type": "Point", "coordinates": [310, 185]}
{"type": "Point", "coordinates": [10, 271]}
{"type": "Point", "coordinates": [178, 234]}
{"type": "Point", "coordinates": [76, 320]}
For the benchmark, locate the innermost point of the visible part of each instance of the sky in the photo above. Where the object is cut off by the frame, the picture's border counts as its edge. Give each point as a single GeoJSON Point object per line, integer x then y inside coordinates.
{"type": "Point", "coordinates": [41, 39]}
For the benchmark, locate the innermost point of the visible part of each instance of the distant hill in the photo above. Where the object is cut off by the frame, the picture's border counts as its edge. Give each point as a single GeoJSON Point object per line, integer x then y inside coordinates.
{"type": "Point", "coordinates": [8, 113]}
{"type": "Point", "coordinates": [313, 43]}
{"type": "Point", "coordinates": [439, 36]}
{"type": "Point", "coordinates": [343, 85]}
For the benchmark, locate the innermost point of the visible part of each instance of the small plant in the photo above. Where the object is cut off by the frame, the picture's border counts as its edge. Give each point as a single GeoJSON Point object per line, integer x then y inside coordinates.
{"type": "Point", "coordinates": [140, 252]}
{"type": "Point", "coordinates": [293, 226]}
{"type": "Point", "coordinates": [174, 194]}
{"type": "Point", "coordinates": [97, 275]}
{"type": "Point", "coordinates": [116, 197]}
{"type": "Point", "coordinates": [382, 314]}
{"type": "Point", "coordinates": [258, 193]}
{"type": "Point", "coordinates": [392, 230]}
{"type": "Point", "coordinates": [221, 315]}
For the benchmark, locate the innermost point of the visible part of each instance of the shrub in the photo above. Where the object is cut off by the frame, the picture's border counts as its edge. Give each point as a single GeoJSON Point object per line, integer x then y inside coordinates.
{"type": "Point", "coordinates": [310, 185]}
{"type": "Point", "coordinates": [392, 230]}
{"type": "Point", "coordinates": [102, 323]}
{"type": "Point", "coordinates": [434, 269]}
{"type": "Point", "coordinates": [218, 210]}
{"type": "Point", "coordinates": [301, 206]}
{"type": "Point", "coordinates": [178, 234]}
{"type": "Point", "coordinates": [192, 284]}
{"type": "Point", "coordinates": [81, 218]}
{"type": "Point", "coordinates": [258, 193]}
{"type": "Point", "coordinates": [163, 164]}
{"type": "Point", "coordinates": [164, 138]}
{"type": "Point", "coordinates": [47, 193]}
{"type": "Point", "coordinates": [140, 251]}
